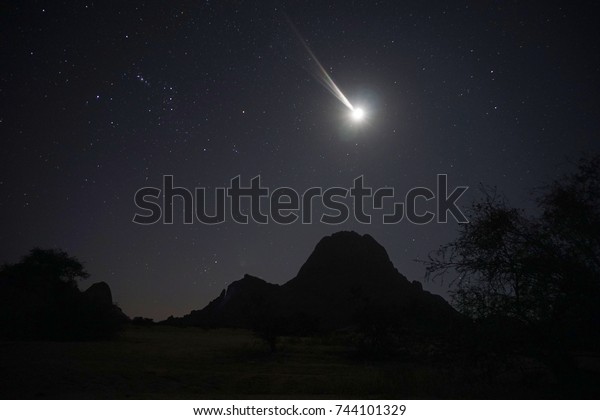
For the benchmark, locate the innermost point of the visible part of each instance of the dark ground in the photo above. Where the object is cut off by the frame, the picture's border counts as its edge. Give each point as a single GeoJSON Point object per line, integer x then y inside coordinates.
{"type": "Point", "coordinates": [190, 363]}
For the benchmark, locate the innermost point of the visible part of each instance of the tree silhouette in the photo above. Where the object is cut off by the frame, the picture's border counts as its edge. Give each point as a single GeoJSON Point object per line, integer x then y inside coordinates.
{"type": "Point", "coordinates": [541, 269]}
{"type": "Point", "coordinates": [47, 265]}
{"type": "Point", "coordinates": [39, 299]}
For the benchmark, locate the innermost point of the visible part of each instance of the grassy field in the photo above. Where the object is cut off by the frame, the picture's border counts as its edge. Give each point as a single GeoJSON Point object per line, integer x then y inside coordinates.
{"type": "Point", "coordinates": [190, 363]}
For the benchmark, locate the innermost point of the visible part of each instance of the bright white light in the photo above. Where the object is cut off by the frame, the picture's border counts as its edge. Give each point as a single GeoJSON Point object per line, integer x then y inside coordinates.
{"type": "Point", "coordinates": [357, 114]}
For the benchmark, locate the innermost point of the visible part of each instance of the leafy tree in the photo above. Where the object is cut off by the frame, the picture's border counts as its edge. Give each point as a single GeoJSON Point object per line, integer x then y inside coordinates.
{"type": "Point", "coordinates": [39, 299]}
{"type": "Point", "coordinates": [539, 269]}
{"type": "Point", "coordinates": [48, 265]}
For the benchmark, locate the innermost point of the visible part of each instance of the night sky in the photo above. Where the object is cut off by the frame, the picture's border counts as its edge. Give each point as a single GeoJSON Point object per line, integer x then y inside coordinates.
{"type": "Point", "coordinates": [99, 99]}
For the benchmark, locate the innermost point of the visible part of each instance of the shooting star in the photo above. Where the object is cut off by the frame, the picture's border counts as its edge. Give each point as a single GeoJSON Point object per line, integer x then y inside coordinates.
{"type": "Point", "coordinates": [320, 74]}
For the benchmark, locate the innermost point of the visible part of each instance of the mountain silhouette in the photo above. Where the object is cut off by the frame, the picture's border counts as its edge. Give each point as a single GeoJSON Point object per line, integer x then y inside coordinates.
{"type": "Point", "coordinates": [347, 279]}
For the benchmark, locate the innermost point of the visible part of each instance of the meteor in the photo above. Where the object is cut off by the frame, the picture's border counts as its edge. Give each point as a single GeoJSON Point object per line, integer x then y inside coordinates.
{"type": "Point", "coordinates": [357, 114]}
{"type": "Point", "coordinates": [321, 75]}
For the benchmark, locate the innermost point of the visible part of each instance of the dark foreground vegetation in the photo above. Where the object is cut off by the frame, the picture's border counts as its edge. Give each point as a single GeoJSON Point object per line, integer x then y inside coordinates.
{"type": "Point", "coordinates": [40, 300]}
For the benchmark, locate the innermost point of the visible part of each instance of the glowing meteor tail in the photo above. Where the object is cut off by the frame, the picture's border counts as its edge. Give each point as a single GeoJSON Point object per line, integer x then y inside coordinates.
{"type": "Point", "coordinates": [320, 73]}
